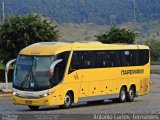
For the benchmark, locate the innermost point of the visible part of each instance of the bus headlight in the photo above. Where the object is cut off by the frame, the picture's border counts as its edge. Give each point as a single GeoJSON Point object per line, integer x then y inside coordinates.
{"type": "Point", "coordinates": [14, 93]}
{"type": "Point", "coordinates": [46, 94]}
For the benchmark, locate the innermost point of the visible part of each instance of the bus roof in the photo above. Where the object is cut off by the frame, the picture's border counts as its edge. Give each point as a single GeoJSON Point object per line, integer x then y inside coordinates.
{"type": "Point", "coordinates": [52, 48]}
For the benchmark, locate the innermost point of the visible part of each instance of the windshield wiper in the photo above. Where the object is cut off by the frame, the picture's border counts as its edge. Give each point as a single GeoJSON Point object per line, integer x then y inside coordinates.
{"type": "Point", "coordinates": [33, 72]}
{"type": "Point", "coordinates": [25, 78]}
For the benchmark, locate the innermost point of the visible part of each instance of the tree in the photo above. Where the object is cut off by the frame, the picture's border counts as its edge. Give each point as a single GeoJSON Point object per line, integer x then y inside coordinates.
{"type": "Point", "coordinates": [18, 32]}
{"type": "Point", "coordinates": [117, 35]}
{"type": "Point", "coordinates": [154, 46]}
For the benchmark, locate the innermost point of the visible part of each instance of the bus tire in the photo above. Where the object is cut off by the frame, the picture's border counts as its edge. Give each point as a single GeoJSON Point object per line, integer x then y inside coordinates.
{"type": "Point", "coordinates": [34, 108]}
{"type": "Point", "coordinates": [131, 94]}
{"type": "Point", "coordinates": [123, 95]}
{"type": "Point", "coordinates": [68, 100]}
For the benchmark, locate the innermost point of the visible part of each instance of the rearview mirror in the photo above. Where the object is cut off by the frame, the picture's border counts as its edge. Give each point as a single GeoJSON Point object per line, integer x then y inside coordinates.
{"type": "Point", "coordinates": [51, 72]}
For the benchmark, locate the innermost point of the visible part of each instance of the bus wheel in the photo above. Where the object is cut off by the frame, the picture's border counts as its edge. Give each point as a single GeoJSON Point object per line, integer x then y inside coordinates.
{"type": "Point", "coordinates": [122, 95]}
{"type": "Point", "coordinates": [33, 107]}
{"type": "Point", "coordinates": [68, 100]}
{"type": "Point", "coordinates": [131, 94]}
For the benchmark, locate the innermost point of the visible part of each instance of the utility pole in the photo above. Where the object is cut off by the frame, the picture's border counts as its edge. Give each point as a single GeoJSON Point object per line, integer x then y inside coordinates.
{"type": "Point", "coordinates": [112, 19]}
{"type": "Point", "coordinates": [140, 17]}
{"type": "Point", "coordinates": [134, 13]}
{"type": "Point", "coordinates": [134, 7]}
{"type": "Point", "coordinates": [3, 10]}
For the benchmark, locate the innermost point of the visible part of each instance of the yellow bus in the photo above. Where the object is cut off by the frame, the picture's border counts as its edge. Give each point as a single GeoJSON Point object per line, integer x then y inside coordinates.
{"type": "Point", "coordinates": [57, 73]}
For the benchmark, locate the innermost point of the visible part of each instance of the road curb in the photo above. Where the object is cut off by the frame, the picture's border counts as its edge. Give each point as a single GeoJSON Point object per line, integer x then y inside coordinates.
{"type": "Point", "coordinates": [6, 95]}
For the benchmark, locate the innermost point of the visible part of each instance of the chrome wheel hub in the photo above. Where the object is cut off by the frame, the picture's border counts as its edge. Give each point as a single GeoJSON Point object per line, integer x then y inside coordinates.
{"type": "Point", "coordinates": [123, 95]}
{"type": "Point", "coordinates": [67, 100]}
{"type": "Point", "coordinates": [131, 94]}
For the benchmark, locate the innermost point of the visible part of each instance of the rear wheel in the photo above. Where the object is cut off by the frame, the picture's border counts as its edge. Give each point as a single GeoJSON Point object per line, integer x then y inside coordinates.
{"type": "Point", "coordinates": [68, 100]}
{"type": "Point", "coordinates": [123, 95]}
{"type": "Point", "coordinates": [131, 94]}
{"type": "Point", "coordinates": [33, 107]}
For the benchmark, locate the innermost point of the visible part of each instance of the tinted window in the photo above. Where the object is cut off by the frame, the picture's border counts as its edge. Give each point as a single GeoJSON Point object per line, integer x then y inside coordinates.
{"type": "Point", "coordinates": [114, 59]}
{"type": "Point", "coordinates": [134, 58]}
{"type": "Point", "coordinates": [102, 59]}
{"type": "Point", "coordinates": [82, 60]}
{"type": "Point", "coordinates": [129, 58]}
{"type": "Point", "coordinates": [89, 59]}
{"type": "Point", "coordinates": [143, 57]}
{"type": "Point", "coordinates": [77, 61]}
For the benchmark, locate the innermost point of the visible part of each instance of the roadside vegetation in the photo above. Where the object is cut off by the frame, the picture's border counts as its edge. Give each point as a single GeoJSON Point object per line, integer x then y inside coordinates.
{"type": "Point", "coordinates": [18, 32]}
{"type": "Point", "coordinates": [117, 35]}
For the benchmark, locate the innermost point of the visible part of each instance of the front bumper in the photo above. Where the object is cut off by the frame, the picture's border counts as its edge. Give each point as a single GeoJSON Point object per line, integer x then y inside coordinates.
{"type": "Point", "coordinates": [45, 101]}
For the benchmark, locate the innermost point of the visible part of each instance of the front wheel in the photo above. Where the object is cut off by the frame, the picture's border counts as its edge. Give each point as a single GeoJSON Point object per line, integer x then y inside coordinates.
{"type": "Point", "coordinates": [68, 100]}
{"type": "Point", "coordinates": [33, 107]}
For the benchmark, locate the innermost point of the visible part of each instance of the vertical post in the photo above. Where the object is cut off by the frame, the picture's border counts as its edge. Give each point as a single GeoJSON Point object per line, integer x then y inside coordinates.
{"type": "Point", "coordinates": [3, 10]}
{"type": "Point", "coordinates": [6, 79]}
{"type": "Point", "coordinates": [111, 20]}
{"type": "Point", "coordinates": [134, 7]}
{"type": "Point", "coordinates": [134, 14]}
{"type": "Point", "coordinates": [7, 70]}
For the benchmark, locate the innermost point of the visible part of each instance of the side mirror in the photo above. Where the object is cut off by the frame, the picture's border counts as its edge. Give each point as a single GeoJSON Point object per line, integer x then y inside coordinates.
{"type": "Point", "coordinates": [7, 70]}
{"type": "Point", "coordinates": [8, 64]}
{"type": "Point", "coordinates": [51, 72]}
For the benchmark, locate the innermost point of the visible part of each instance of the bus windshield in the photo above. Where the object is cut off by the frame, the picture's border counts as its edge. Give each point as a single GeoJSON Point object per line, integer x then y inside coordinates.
{"type": "Point", "coordinates": [32, 72]}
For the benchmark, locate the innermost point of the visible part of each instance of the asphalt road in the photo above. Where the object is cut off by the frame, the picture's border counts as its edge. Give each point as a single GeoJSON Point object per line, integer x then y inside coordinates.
{"type": "Point", "coordinates": [147, 104]}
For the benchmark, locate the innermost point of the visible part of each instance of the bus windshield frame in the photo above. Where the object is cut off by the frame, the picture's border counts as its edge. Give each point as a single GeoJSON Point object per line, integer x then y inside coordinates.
{"type": "Point", "coordinates": [33, 73]}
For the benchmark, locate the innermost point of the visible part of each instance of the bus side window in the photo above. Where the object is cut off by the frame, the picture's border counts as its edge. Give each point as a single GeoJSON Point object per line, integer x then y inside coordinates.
{"type": "Point", "coordinates": [100, 59]}
{"type": "Point", "coordinates": [143, 57]}
{"type": "Point", "coordinates": [125, 58]}
{"type": "Point", "coordinates": [134, 58]}
{"type": "Point", "coordinates": [114, 59]}
{"type": "Point", "coordinates": [89, 59]}
{"type": "Point", "coordinates": [76, 61]}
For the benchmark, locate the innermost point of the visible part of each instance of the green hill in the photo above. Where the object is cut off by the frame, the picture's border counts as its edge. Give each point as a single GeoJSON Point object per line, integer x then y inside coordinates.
{"type": "Point", "coordinates": [87, 11]}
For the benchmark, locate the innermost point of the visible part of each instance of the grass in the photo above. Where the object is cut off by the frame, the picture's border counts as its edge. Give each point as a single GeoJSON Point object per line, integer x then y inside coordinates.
{"type": "Point", "coordinates": [1, 66]}
{"type": "Point", "coordinates": [80, 32]}
{"type": "Point", "coordinates": [87, 31]}
{"type": "Point", "coordinates": [155, 63]}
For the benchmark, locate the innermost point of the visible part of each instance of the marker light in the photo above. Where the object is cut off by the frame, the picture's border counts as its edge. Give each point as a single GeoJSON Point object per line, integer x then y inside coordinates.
{"type": "Point", "coordinates": [51, 73]}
